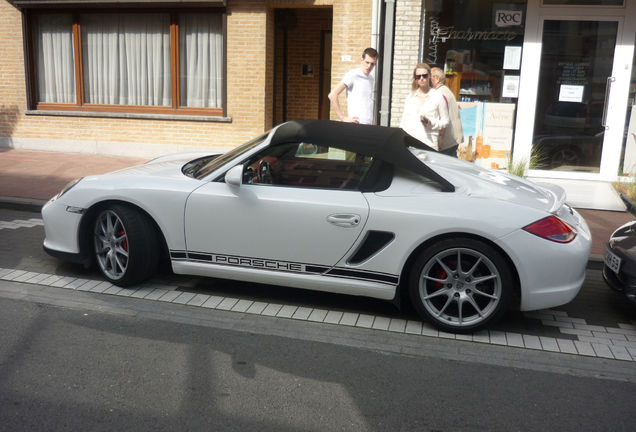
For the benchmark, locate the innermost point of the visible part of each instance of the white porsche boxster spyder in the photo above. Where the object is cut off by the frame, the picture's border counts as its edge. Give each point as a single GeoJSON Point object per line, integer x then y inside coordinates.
{"type": "Point", "coordinates": [337, 207]}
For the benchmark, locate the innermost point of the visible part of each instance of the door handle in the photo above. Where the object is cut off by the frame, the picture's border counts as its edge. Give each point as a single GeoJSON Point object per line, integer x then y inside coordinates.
{"type": "Point", "coordinates": [608, 86]}
{"type": "Point", "coordinates": [346, 220]}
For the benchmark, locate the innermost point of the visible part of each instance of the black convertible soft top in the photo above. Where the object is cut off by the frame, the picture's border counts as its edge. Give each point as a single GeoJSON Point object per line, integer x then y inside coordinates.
{"type": "Point", "coordinates": [384, 143]}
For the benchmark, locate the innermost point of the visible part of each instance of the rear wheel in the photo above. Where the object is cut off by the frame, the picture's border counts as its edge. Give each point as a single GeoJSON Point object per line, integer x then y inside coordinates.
{"type": "Point", "coordinates": [125, 245]}
{"type": "Point", "coordinates": [460, 285]}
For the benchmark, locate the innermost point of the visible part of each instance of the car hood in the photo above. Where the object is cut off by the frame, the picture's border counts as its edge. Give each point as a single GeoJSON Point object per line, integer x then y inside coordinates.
{"type": "Point", "coordinates": [472, 180]}
{"type": "Point", "coordinates": [164, 166]}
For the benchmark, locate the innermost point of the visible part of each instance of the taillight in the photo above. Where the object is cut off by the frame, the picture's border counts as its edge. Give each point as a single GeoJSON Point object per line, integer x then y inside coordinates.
{"type": "Point", "coordinates": [552, 228]}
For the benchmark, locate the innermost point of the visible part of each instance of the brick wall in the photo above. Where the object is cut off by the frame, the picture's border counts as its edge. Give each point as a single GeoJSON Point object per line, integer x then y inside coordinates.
{"type": "Point", "coordinates": [405, 53]}
{"type": "Point", "coordinates": [351, 35]}
{"type": "Point", "coordinates": [250, 38]}
{"type": "Point", "coordinates": [303, 47]}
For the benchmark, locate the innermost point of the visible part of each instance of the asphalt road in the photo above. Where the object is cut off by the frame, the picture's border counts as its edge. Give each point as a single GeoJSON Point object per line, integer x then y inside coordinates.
{"type": "Point", "coordinates": [75, 360]}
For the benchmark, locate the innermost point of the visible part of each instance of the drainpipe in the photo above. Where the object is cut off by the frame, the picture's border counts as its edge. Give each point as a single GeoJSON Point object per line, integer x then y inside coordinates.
{"type": "Point", "coordinates": [386, 61]}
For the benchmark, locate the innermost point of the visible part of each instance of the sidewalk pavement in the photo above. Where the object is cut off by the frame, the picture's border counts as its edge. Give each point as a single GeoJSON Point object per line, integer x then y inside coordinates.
{"type": "Point", "coordinates": [30, 178]}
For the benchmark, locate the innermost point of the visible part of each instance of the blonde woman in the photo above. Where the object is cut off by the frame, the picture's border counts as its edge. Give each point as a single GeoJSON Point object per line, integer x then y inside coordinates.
{"type": "Point", "coordinates": [425, 112]}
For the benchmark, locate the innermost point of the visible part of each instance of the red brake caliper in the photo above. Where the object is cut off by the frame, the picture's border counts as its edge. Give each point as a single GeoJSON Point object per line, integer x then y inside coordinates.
{"type": "Point", "coordinates": [124, 243]}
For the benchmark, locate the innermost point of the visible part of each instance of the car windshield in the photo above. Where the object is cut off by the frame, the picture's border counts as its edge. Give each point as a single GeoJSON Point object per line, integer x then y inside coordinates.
{"type": "Point", "coordinates": [219, 161]}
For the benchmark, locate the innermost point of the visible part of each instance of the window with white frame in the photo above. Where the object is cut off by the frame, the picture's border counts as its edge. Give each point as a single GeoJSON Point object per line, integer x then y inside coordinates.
{"type": "Point", "coordinates": [164, 62]}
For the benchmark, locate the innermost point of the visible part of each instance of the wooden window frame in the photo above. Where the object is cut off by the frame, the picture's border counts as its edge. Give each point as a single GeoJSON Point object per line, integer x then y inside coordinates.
{"type": "Point", "coordinates": [81, 106]}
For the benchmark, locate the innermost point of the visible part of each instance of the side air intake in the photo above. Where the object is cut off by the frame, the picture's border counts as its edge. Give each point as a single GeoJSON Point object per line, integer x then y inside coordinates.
{"type": "Point", "coordinates": [372, 243]}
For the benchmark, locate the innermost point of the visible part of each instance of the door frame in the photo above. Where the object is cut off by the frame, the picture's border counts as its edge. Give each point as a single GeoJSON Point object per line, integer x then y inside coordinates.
{"type": "Point", "coordinates": [617, 102]}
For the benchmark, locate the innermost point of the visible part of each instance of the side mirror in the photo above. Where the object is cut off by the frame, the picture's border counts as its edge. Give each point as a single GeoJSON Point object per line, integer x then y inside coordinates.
{"type": "Point", "coordinates": [234, 176]}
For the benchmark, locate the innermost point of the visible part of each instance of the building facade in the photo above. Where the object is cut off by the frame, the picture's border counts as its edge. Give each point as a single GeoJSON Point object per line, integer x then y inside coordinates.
{"type": "Point", "coordinates": [550, 83]}
{"type": "Point", "coordinates": [143, 78]}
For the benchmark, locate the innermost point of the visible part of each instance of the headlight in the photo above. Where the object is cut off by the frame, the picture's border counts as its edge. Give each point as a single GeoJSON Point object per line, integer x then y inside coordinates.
{"type": "Point", "coordinates": [68, 187]}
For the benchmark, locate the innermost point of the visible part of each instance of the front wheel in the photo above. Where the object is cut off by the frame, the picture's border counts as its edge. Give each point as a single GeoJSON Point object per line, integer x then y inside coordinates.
{"type": "Point", "coordinates": [125, 245]}
{"type": "Point", "coordinates": [460, 285]}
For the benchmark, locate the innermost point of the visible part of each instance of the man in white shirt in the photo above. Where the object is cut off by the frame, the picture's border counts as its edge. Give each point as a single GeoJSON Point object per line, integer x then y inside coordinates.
{"type": "Point", "coordinates": [359, 85]}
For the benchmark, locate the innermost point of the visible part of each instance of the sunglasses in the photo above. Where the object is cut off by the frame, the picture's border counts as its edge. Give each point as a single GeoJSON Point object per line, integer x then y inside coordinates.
{"type": "Point", "coordinates": [421, 76]}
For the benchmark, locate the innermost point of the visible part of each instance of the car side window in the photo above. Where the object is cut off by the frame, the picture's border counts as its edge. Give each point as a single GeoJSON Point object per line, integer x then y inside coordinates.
{"type": "Point", "coordinates": [307, 165]}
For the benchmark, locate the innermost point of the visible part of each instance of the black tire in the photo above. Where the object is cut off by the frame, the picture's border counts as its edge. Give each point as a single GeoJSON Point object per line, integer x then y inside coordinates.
{"type": "Point", "coordinates": [125, 245]}
{"type": "Point", "coordinates": [460, 298]}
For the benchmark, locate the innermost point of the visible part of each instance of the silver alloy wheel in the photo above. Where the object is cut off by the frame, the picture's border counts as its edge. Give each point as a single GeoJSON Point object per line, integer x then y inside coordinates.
{"type": "Point", "coordinates": [460, 287]}
{"type": "Point", "coordinates": [111, 245]}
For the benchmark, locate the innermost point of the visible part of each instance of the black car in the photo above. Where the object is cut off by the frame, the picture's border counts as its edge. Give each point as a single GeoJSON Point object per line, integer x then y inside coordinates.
{"type": "Point", "coordinates": [619, 270]}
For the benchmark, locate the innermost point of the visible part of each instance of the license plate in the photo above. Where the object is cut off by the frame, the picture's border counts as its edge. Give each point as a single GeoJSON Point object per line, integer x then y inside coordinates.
{"type": "Point", "coordinates": [612, 261]}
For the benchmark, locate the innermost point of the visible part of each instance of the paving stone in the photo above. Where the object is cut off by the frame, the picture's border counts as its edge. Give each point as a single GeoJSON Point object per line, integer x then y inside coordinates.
{"type": "Point", "coordinates": [589, 327]}
{"type": "Point", "coordinates": [77, 283]}
{"type": "Point", "coordinates": [227, 303]}
{"type": "Point", "coordinates": [445, 335]}
{"type": "Point", "coordinates": [498, 337]}
{"type": "Point", "coordinates": [557, 324]}
{"type": "Point", "coordinates": [365, 321]}
{"type": "Point", "coordinates": [604, 341]}
{"type": "Point", "coordinates": [333, 317]}
{"type": "Point", "coordinates": [50, 280]}
{"type": "Point", "coordinates": [566, 346]}
{"type": "Point", "coordinates": [212, 302]}
{"type": "Point", "coordinates": [381, 323]}
{"type": "Point", "coordinates": [24, 277]}
{"type": "Point", "coordinates": [514, 339]}
{"type": "Point", "coordinates": [575, 331]}
{"type": "Point", "coordinates": [626, 332]}
{"type": "Point", "coordinates": [272, 309]}
{"type": "Point", "coordinates": [317, 315]}
{"type": "Point", "coordinates": [114, 290]}
{"type": "Point", "coordinates": [349, 318]}
{"type": "Point", "coordinates": [397, 325]}
{"type": "Point", "coordinates": [101, 287]}
{"type": "Point", "coordinates": [549, 343]}
{"type": "Point", "coordinates": [612, 336]}
{"type": "Point", "coordinates": [602, 350]}
{"type": "Point", "coordinates": [37, 279]}
{"type": "Point", "coordinates": [256, 308]}
{"type": "Point", "coordinates": [428, 330]}
{"type": "Point", "coordinates": [87, 285]}
{"type": "Point", "coordinates": [287, 311]}
{"type": "Point", "coordinates": [155, 294]}
{"type": "Point", "coordinates": [531, 342]}
{"type": "Point", "coordinates": [482, 336]}
{"type": "Point", "coordinates": [198, 300]}
{"type": "Point", "coordinates": [585, 348]}
{"type": "Point", "coordinates": [14, 274]}
{"type": "Point", "coordinates": [302, 313]}
{"type": "Point", "coordinates": [414, 327]}
{"type": "Point", "coordinates": [63, 282]}
{"type": "Point", "coordinates": [169, 296]}
{"type": "Point", "coordinates": [620, 353]}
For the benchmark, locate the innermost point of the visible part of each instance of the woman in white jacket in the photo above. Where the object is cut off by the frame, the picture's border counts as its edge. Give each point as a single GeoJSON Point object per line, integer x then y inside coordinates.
{"type": "Point", "coordinates": [425, 112]}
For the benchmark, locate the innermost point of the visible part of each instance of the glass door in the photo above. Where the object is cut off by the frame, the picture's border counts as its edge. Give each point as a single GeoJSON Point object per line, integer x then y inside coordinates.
{"type": "Point", "coordinates": [574, 85]}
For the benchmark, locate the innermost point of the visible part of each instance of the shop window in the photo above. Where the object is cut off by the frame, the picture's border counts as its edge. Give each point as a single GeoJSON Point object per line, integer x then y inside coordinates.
{"type": "Point", "coordinates": [153, 62]}
{"type": "Point", "coordinates": [478, 44]}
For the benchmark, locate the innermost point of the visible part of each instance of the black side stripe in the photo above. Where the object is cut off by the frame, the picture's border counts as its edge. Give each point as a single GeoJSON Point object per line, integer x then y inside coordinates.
{"type": "Point", "coordinates": [361, 274]}
{"type": "Point", "coordinates": [283, 266]}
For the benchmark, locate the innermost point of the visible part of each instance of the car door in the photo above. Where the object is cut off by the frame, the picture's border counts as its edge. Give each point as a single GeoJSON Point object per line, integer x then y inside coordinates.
{"type": "Point", "coordinates": [296, 204]}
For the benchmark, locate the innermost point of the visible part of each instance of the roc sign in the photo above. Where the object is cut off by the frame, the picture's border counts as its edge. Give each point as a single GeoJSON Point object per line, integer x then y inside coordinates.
{"type": "Point", "coordinates": [508, 18]}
